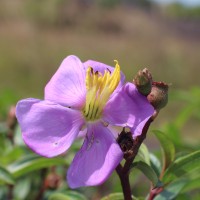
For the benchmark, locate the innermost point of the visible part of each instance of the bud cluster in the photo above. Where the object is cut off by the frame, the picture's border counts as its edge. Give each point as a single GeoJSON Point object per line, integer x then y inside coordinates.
{"type": "Point", "coordinates": [159, 95]}
{"type": "Point", "coordinates": [143, 81]}
{"type": "Point", "coordinates": [156, 92]}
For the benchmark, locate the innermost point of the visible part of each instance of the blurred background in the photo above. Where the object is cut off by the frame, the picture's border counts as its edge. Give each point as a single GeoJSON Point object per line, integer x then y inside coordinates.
{"type": "Point", "coordinates": [164, 36]}
{"type": "Point", "coordinates": [35, 36]}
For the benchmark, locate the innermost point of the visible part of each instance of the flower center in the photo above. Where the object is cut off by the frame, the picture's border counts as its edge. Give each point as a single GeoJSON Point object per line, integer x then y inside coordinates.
{"type": "Point", "coordinates": [99, 88]}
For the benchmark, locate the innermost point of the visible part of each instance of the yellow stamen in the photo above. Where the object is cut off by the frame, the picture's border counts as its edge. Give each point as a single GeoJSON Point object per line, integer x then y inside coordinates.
{"type": "Point", "coordinates": [99, 88]}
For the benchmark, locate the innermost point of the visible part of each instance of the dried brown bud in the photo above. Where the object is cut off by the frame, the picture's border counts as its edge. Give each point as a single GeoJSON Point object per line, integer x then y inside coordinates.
{"type": "Point", "coordinates": [126, 142]}
{"type": "Point", "coordinates": [143, 81]}
{"type": "Point", "coordinates": [159, 95]}
{"type": "Point", "coordinates": [11, 123]}
{"type": "Point", "coordinates": [52, 181]}
{"type": "Point", "coordinates": [11, 118]}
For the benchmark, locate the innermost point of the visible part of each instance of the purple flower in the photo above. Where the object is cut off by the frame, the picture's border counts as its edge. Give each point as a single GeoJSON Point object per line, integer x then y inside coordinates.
{"type": "Point", "coordinates": [83, 99]}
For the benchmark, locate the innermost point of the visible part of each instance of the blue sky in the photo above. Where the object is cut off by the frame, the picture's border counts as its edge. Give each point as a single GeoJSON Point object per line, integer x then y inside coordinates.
{"type": "Point", "coordinates": [185, 2]}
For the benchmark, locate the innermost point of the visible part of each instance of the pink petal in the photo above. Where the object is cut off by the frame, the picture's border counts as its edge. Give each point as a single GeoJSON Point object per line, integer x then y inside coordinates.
{"type": "Point", "coordinates": [128, 108]}
{"type": "Point", "coordinates": [67, 86]}
{"type": "Point", "coordinates": [96, 160]}
{"type": "Point", "coordinates": [82, 133]}
{"type": "Point", "coordinates": [47, 128]}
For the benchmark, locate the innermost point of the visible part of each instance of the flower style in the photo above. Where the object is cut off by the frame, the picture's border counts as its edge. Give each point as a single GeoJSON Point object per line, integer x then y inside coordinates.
{"type": "Point", "coordinates": [83, 99]}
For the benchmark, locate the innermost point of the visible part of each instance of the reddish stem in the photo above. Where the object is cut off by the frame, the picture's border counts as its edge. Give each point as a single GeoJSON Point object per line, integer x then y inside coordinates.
{"type": "Point", "coordinates": [10, 192]}
{"type": "Point", "coordinates": [124, 178]}
{"type": "Point", "coordinates": [154, 193]}
{"type": "Point", "coordinates": [124, 171]}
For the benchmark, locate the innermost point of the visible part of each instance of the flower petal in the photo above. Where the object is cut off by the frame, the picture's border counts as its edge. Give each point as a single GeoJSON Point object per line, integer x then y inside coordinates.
{"type": "Point", "coordinates": [98, 157]}
{"type": "Point", "coordinates": [115, 130]}
{"type": "Point", "coordinates": [47, 128]}
{"type": "Point", "coordinates": [101, 67]}
{"type": "Point", "coordinates": [128, 108]}
{"type": "Point", "coordinates": [82, 133]}
{"type": "Point", "coordinates": [67, 86]}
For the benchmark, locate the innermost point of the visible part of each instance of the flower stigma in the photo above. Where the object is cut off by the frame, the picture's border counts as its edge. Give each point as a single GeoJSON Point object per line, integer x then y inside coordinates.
{"type": "Point", "coordinates": [99, 88]}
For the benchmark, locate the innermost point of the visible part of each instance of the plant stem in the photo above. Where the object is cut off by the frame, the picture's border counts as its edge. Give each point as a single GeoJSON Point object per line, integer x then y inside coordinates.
{"type": "Point", "coordinates": [42, 186]}
{"type": "Point", "coordinates": [10, 192]}
{"type": "Point", "coordinates": [154, 193]}
{"type": "Point", "coordinates": [123, 172]}
{"type": "Point", "coordinates": [124, 178]}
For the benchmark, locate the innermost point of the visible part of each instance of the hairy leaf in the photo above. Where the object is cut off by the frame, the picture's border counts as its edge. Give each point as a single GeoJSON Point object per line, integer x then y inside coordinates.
{"type": "Point", "coordinates": [114, 196]}
{"type": "Point", "coordinates": [6, 176]}
{"type": "Point", "coordinates": [143, 153]}
{"type": "Point", "coordinates": [155, 164]}
{"type": "Point", "coordinates": [148, 172]}
{"type": "Point", "coordinates": [182, 166]}
{"type": "Point", "coordinates": [168, 148]}
{"type": "Point", "coordinates": [192, 185]}
{"type": "Point", "coordinates": [32, 163]}
{"type": "Point", "coordinates": [69, 195]}
{"type": "Point", "coordinates": [172, 190]}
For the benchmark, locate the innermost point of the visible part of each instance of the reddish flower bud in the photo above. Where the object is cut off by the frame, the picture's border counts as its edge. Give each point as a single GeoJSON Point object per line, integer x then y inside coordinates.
{"type": "Point", "coordinates": [11, 123]}
{"type": "Point", "coordinates": [11, 119]}
{"type": "Point", "coordinates": [52, 181]}
{"type": "Point", "coordinates": [143, 81]}
{"type": "Point", "coordinates": [159, 95]}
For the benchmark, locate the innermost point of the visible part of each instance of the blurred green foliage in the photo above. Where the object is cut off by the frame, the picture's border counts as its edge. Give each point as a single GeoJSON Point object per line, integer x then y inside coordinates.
{"type": "Point", "coordinates": [181, 11]}
{"type": "Point", "coordinates": [176, 168]}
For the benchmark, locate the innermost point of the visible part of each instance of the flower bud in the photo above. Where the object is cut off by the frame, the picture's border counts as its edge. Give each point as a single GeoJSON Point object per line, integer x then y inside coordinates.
{"type": "Point", "coordinates": [143, 81]}
{"type": "Point", "coordinates": [52, 181]}
{"type": "Point", "coordinates": [159, 95]}
{"type": "Point", "coordinates": [11, 123]}
{"type": "Point", "coordinates": [11, 118]}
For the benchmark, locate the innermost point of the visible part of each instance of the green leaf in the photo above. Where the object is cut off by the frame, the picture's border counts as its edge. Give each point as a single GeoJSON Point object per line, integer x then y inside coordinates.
{"type": "Point", "coordinates": [3, 127]}
{"type": "Point", "coordinates": [5, 145]}
{"type": "Point", "coordinates": [143, 153]}
{"type": "Point", "coordinates": [167, 147]}
{"type": "Point", "coordinates": [6, 176]}
{"type": "Point", "coordinates": [184, 115]}
{"type": "Point", "coordinates": [69, 195]}
{"type": "Point", "coordinates": [148, 172]}
{"type": "Point", "coordinates": [174, 134]}
{"type": "Point", "coordinates": [24, 186]}
{"type": "Point", "coordinates": [114, 196]}
{"type": "Point", "coordinates": [12, 155]}
{"type": "Point", "coordinates": [155, 164]}
{"type": "Point", "coordinates": [172, 190]}
{"type": "Point", "coordinates": [191, 185]}
{"type": "Point", "coordinates": [32, 163]}
{"type": "Point", "coordinates": [119, 196]}
{"type": "Point", "coordinates": [2, 143]}
{"type": "Point", "coordinates": [181, 95]}
{"type": "Point", "coordinates": [18, 137]}
{"type": "Point", "coordinates": [59, 196]}
{"type": "Point", "coordinates": [182, 166]}
{"type": "Point", "coordinates": [7, 98]}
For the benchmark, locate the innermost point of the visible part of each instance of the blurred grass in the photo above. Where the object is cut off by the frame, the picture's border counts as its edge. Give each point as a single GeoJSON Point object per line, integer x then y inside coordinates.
{"type": "Point", "coordinates": [35, 36]}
